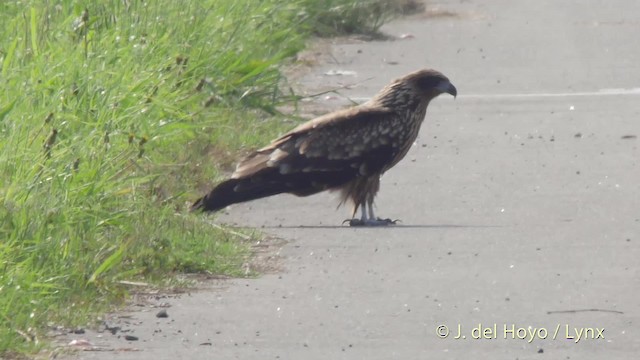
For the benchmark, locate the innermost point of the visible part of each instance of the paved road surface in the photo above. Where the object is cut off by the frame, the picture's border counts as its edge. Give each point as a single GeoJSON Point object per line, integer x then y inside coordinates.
{"type": "Point", "coordinates": [520, 207]}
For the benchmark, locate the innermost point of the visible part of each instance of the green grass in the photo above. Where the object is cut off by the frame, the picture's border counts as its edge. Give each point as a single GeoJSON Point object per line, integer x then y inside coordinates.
{"type": "Point", "coordinates": [114, 115]}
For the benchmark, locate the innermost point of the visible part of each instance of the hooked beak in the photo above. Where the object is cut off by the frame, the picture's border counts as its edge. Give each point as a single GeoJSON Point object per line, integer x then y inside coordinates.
{"type": "Point", "coordinates": [447, 87]}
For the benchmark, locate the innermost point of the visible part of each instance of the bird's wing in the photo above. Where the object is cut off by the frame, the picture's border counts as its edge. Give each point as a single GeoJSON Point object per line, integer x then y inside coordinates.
{"type": "Point", "coordinates": [359, 140]}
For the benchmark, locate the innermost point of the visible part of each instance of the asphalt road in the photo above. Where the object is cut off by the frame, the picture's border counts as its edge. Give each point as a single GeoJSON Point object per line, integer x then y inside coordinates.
{"type": "Point", "coordinates": [519, 203]}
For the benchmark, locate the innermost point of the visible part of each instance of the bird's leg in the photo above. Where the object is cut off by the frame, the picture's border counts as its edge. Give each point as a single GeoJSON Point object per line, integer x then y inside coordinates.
{"type": "Point", "coordinates": [362, 193]}
{"type": "Point", "coordinates": [371, 215]}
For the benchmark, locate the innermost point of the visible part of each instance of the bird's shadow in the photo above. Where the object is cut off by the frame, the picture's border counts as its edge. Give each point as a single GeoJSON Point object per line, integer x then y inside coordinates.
{"type": "Point", "coordinates": [390, 227]}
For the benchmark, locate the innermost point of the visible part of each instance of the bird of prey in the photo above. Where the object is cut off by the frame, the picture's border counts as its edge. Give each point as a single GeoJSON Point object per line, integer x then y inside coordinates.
{"type": "Point", "coordinates": [347, 150]}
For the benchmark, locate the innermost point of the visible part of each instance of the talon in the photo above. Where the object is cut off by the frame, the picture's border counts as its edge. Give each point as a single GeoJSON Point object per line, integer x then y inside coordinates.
{"type": "Point", "coordinates": [381, 222]}
{"type": "Point", "coordinates": [355, 222]}
{"type": "Point", "coordinates": [389, 221]}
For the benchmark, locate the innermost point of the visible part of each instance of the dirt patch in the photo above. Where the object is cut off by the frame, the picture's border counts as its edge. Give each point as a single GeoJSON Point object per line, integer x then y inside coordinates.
{"type": "Point", "coordinates": [266, 257]}
{"type": "Point", "coordinates": [435, 12]}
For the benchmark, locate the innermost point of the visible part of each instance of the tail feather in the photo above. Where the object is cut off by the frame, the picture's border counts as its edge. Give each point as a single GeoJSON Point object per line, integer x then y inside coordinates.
{"type": "Point", "coordinates": [234, 191]}
{"type": "Point", "coordinates": [267, 183]}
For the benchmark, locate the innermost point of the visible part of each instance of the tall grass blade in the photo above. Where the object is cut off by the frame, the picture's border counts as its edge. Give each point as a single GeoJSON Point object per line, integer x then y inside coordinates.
{"type": "Point", "coordinates": [109, 263]}
{"type": "Point", "coordinates": [34, 31]}
{"type": "Point", "coordinates": [9, 57]}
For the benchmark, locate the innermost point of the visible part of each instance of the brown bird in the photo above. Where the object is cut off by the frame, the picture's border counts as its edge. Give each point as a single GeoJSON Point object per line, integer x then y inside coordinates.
{"type": "Point", "coordinates": [347, 150]}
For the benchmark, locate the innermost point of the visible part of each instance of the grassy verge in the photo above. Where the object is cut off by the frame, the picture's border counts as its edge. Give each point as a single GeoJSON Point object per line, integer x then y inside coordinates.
{"type": "Point", "coordinates": [113, 116]}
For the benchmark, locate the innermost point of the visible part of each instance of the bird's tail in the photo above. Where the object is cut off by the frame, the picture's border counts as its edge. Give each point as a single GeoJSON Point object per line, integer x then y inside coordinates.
{"type": "Point", "coordinates": [234, 191]}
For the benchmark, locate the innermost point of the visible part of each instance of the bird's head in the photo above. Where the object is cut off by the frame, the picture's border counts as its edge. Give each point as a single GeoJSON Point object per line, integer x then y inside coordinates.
{"type": "Point", "coordinates": [415, 90]}
{"type": "Point", "coordinates": [430, 83]}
